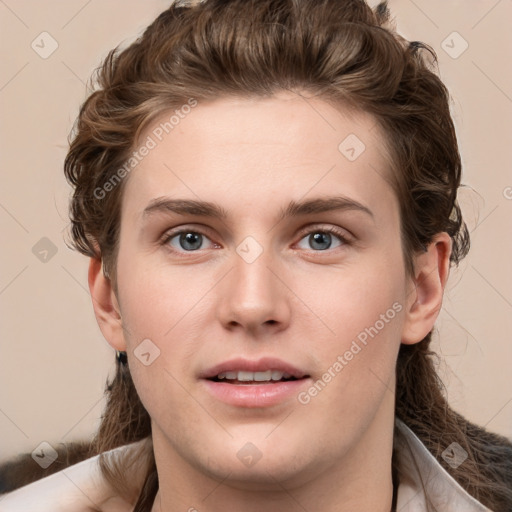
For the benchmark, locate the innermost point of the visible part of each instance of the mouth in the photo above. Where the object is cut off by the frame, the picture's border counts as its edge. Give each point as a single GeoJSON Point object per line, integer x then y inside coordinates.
{"type": "Point", "coordinates": [245, 378]}
{"type": "Point", "coordinates": [262, 383]}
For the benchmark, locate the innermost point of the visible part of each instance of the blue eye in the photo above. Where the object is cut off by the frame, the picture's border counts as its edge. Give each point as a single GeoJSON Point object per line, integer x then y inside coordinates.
{"type": "Point", "coordinates": [322, 239]}
{"type": "Point", "coordinates": [318, 240]}
{"type": "Point", "coordinates": [187, 240]}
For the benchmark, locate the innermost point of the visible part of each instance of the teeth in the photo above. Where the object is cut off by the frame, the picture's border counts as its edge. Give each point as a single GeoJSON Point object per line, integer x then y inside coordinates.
{"type": "Point", "coordinates": [244, 376]}
{"type": "Point", "coordinates": [262, 376]}
{"type": "Point", "coordinates": [277, 375]}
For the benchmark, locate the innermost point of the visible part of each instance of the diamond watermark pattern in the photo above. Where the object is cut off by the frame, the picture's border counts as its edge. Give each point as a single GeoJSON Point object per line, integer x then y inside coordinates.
{"type": "Point", "coordinates": [44, 250]}
{"type": "Point", "coordinates": [454, 455]}
{"type": "Point", "coordinates": [249, 249]}
{"type": "Point", "coordinates": [44, 45]}
{"type": "Point", "coordinates": [454, 45]}
{"type": "Point", "coordinates": [351, 147]}
{"type": "Point", "coordinates": [45, 454]}
{"type": "Point", "coordinates": [249, 454]}
{"type": "Point", "coordinates": [146, 352]}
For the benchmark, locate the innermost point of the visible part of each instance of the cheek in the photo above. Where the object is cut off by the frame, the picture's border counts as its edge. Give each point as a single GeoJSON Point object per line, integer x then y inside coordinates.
{"type": "Point", "coordinates": [158, 297]}
{"type": "Point", "coordinates": [352, 299]}
{"type": "Point", "coordinates": [362, 315]}
{"type": "Point", "coordinates": [164, 315]}
{"type": "Point", "coordinates": [163, 393]}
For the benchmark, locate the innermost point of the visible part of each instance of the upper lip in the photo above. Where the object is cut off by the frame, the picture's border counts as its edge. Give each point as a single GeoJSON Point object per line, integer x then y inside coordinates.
{"type": "Point", "coordinates": [261, 365]}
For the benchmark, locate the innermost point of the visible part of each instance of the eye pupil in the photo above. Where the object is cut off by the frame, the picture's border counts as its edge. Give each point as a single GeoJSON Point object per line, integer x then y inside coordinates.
{"type": "Point", "coordinates": [320, 238]}
{"type": "Point", "coordinates": [190, 238]}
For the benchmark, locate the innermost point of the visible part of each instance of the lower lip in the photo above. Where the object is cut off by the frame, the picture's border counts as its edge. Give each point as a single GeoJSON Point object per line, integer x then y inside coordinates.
{"type": "Point", "coordinates": [255, 395]}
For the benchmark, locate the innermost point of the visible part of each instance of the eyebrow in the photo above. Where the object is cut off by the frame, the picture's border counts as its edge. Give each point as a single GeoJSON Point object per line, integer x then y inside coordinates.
{"type": "Point", "coordinates": [293, 209]}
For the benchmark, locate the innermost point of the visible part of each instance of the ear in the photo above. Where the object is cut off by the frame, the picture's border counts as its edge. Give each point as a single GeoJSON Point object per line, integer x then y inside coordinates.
{"type": "Point", "coordinates": [106, 307]}
{"type": "Point", "coordinates": [431, 270]}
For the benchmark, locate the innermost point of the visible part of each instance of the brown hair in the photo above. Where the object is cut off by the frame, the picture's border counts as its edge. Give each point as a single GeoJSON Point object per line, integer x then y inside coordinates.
{"type": "Point", "coordinates": [343, 52]}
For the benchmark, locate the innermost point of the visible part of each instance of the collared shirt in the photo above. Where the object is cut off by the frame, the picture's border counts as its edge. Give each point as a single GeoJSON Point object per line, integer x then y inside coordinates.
{"type": "Point", "coordinates": [424, 485]}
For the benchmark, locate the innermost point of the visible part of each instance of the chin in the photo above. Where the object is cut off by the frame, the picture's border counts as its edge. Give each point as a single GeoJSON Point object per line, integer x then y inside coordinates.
{"type": "Point", "coordinates": [264, 476]}
{"type": "Point", "coordinates": [261, 465]}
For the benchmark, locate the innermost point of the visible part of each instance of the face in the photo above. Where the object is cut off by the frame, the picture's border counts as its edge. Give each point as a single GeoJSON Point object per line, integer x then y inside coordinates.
{"type": "Point", "coordinates": [301, 276]}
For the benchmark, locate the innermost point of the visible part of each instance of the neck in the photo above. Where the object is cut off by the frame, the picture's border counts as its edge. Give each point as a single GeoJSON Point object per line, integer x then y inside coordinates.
{"type": "Point", "coordinates": [359, 481]}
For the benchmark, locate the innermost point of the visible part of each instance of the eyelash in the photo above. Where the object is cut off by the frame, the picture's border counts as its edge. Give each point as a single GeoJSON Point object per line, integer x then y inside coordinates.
{"type": "Point", "coordinates": [344, 239]}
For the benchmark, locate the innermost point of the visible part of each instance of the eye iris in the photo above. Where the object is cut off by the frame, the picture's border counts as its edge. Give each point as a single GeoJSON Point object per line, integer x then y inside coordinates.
{"type": "Point", "coordinates": [190, 238]}
{"type": "Point", "coordinates": [320, 238]}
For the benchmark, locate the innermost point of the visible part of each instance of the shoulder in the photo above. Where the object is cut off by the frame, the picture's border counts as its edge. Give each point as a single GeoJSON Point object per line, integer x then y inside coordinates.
{"type": "Point", "coordinates": [423, 482]}
{"type": "Point", "coordinates": [77, 484]}
{"type": "Point", "coordinates": [79, 488]}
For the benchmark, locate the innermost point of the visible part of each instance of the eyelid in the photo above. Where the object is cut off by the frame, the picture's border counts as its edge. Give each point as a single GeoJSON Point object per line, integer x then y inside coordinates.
{"type": "Point", "coordinates": [342, 233]}
{"type": "Point", "coordinates": [189, 228]}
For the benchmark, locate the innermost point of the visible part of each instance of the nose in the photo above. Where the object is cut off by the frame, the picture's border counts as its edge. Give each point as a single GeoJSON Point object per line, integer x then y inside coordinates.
{"type": "Point", "coordinates": [253, 297]}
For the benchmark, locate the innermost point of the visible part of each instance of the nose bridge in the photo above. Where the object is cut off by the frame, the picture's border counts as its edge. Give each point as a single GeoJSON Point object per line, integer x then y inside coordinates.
{"type": "Point", "coordinates": [253, 295]}
{"type": "Point", "coordinates": [253, 282]}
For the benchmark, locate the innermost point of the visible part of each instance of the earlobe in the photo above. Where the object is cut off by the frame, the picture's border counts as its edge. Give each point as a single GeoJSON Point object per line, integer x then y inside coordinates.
{"type": "Point", "coordinates": [431, 271]}
{"type": "Point", "coordinates": [106, 307]}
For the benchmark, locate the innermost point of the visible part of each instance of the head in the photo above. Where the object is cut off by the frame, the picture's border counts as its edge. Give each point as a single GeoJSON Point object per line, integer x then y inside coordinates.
{"type": "Point", "coordinates": [269, 111]}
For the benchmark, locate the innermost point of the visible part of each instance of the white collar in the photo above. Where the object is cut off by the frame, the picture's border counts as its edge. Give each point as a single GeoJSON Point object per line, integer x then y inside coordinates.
{"type": "Point", "coordinates": [424, 485]}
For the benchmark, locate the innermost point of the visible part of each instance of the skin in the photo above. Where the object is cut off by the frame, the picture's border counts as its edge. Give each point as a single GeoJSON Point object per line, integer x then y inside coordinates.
{"type": "Point", "coordinates": [295, 302]}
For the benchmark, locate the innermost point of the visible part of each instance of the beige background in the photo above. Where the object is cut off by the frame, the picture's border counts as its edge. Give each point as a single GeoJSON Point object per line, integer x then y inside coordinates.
{"type": "Point", "coordinates": [54, 360]}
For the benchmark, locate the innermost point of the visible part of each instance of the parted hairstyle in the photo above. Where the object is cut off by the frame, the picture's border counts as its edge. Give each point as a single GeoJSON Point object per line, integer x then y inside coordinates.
{"type": "Point", "coordinates": [340, 51]}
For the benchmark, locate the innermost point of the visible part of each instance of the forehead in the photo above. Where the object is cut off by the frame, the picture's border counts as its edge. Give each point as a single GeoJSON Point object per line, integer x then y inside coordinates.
{"type": "Point", "coordinates": [257, 152]}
